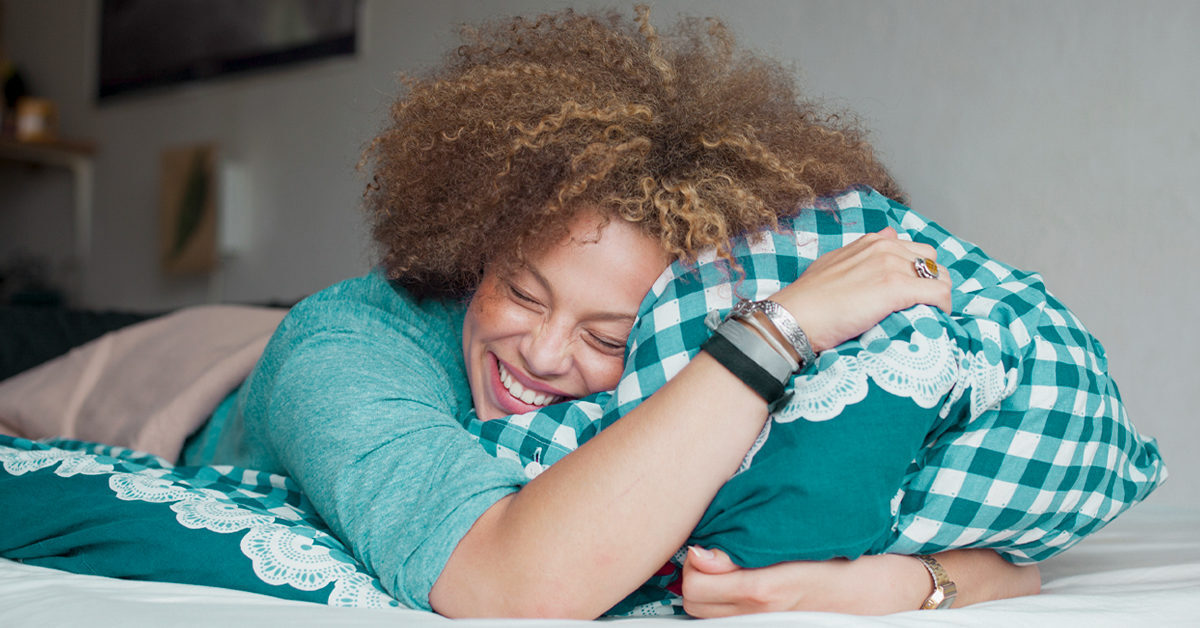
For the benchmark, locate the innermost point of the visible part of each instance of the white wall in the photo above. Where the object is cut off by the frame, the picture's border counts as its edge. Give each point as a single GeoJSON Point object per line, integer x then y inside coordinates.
{"type": "Point", "coordinates": [1060, 136]}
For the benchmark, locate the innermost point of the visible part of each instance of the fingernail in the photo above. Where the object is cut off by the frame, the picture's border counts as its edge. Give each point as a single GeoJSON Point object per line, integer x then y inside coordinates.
{"type": "Point", "coordinates": [702, 553]}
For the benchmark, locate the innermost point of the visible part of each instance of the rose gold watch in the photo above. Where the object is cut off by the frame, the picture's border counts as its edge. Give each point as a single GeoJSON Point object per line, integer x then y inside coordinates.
{"type": "Point", "coordinates": [944, 589]}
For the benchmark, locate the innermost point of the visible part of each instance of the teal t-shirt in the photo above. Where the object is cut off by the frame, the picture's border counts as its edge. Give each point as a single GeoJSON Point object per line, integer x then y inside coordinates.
{"type": "Point", "coordinates": [357, 397]}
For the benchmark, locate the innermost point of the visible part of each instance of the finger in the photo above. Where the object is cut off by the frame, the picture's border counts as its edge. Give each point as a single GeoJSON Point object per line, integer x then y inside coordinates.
{"type": "Point", "coordinates": [705, 610]}
{"type": "Point", "coordinates": [886, 233]}
{"type": "Point", "coordinates": [947, 302]}
{"type": "Point", "coordinates": [700, 587]}
{"type": "Point", "coordinates": [919, 249]}
{"type": "Point", "coordinates": [944, 276]}
{"type": "Point", "coordinates": [935, 292]}
{"type": "Point", "coordinates": [899, 278]}
{"type": "Point", "coordinates": [864, 243]}
{"type": "Point", "coordinates": [924, 251]}
{"type": "Point", "coordinates": [904, 249]}
{"type": "Point", "coordinates": [939, 289]}
{"type": "Point", "coordinates": [885, 237]}
{"type": "Point", "coordinates": [708, 561]}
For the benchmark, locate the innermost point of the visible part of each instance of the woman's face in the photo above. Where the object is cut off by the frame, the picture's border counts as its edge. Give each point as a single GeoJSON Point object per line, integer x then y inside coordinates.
{"type": "Point", "coordinates": [556, 328]}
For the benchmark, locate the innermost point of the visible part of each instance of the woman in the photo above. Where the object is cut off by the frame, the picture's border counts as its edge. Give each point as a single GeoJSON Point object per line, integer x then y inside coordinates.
{"type": "Point", "coordinates": [541, 152]}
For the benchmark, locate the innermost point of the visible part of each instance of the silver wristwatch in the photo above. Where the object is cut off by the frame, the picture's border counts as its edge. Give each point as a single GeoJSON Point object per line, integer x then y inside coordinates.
{"type": "Point", "coordinates": [944, 589]}
{"type": "Point", "coordinates": [784, 322]}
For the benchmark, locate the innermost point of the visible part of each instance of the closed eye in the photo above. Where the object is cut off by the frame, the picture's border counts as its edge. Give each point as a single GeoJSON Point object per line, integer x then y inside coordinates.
{"type": "Point", "coordinates": [609, 345]}
{"type": "Point", "coordinates": [522, 296]}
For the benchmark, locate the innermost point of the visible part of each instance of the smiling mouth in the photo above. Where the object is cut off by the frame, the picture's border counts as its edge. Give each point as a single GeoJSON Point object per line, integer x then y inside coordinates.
{"type": "Point", "coordinates": [520, 392]}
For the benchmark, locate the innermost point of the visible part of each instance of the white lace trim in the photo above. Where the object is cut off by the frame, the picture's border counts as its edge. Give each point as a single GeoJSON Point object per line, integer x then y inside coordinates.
{"type": "Point", "coordinates": [927, 368]}
{"type": "Point", "coordinates": [138, 487]}
{"type": "Point", "coordinates": [923, 368]}
{"type": "Point", "coordinates": [360, 591]}
{"type": "Point", "coordinates": [82, 465]}
{"type": "Point", "coordinates": [20, 462]}
{"type": "Point", "coordinates": [279, 554]}
{"type": "Point", "coordinates": [840, 381]}
{"type": "Point", "coordinates": [984, 373]}
{"type": "Point", "coordinates": [216, 515]}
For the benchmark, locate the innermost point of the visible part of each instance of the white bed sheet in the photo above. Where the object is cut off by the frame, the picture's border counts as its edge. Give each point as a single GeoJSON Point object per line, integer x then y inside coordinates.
{"type": "Point", "coordinates": [1143, 570]}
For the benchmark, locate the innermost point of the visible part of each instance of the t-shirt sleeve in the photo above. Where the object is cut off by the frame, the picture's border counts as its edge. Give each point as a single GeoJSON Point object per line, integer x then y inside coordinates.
{"type": "Point", "coordinates": [359, 408]}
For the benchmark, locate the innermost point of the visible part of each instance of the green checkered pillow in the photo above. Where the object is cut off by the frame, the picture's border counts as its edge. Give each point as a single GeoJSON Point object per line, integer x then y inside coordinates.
{"type": "Point", "coordinates": [999, 422]}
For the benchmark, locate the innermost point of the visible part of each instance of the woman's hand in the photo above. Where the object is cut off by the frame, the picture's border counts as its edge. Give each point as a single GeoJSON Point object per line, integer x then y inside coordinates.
{"type": "Point", "coordinates": [872, 585]}
{"type": "Point", "coordinates": [845, 292]}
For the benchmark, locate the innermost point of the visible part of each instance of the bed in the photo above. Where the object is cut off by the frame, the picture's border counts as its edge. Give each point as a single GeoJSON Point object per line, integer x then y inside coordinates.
{"type": "Point", "coordinates": [1144, 570]}
{"type": "Point", "coordinates": [1144, 567]}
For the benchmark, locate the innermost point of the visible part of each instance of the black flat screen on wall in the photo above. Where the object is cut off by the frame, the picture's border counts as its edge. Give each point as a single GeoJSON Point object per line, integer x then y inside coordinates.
{"type": "Point", "coordinates": [146, 44]}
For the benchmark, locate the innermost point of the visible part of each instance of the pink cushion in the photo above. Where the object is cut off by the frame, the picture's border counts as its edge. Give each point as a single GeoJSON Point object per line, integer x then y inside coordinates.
{"type": "Point", "coordinates": [147, 386]}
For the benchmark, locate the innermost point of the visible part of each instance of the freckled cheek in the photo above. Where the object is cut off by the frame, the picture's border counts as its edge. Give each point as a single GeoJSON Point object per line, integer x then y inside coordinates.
{"type": "Point", "coordinates": [493, 318]}
{"type": "Point", "coordinates": [603, 374]}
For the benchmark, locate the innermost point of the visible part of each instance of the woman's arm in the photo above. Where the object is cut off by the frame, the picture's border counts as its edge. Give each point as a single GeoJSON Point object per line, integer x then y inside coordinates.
{"type": "Point", "coordinates": [594, 526]}
{"type": "Point", "coordinates": [871, 585]}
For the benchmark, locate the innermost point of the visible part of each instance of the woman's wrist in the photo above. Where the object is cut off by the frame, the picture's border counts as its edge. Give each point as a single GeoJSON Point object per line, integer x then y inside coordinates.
{"type": "Point", "coordinates": [981, 575]}
{"type": "Point", "coordinates": [879, 584]}
{"type": "Point", "coordinates": [777, 324]}
{"type": "Point", "coordinates": [904, 584]}
{"type": "Point", "coordinates": [745, 355]}
{"type": "Point", "coordinates": [806, 318]}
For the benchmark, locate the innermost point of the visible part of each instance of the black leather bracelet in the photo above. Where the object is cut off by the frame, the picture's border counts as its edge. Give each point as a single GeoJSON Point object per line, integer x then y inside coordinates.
{"type": "Point", "coordinates": [750, 372]}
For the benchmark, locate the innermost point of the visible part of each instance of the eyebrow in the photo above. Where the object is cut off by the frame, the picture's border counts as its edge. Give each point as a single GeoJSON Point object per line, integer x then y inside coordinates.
{"type": "Point", "coordinates": [603, 316]}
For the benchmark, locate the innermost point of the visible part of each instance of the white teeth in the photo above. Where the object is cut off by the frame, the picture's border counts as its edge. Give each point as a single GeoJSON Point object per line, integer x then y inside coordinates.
{"type": "Point", "coordinates": [526, 395]}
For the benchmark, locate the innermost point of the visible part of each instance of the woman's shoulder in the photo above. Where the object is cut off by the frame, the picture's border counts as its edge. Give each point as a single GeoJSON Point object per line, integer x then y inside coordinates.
{"type": "Point", "coordinates": [372, 295]}
{"type": "Point", "coordinates": [370, 306]}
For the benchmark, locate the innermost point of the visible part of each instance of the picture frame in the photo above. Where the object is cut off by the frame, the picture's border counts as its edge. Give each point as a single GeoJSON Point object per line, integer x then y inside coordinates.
{"type": "Point", "coordinates": [188, 219]}
{"type": "Point", "coordinates": [153, 44]}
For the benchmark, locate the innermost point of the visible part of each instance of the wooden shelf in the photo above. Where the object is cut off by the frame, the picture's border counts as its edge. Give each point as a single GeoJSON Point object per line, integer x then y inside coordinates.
{"type": "Point", "coordinates": [56, 152]}
{"type": "Point", "coordinates": [75, 156]}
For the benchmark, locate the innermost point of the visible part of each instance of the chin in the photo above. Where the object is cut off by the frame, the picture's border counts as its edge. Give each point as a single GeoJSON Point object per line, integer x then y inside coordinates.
{"type": "Point", "coordinates": [485, 413]}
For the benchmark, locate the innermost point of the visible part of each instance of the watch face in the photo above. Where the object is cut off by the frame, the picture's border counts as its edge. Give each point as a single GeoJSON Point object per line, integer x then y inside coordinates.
{"type": "Point", "coordinates": [944, 590]}
{"type": "Point", "coordinates": [936, 600]}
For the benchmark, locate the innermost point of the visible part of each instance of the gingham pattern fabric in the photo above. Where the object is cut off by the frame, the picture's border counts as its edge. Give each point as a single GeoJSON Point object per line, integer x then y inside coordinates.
{"type": "Point", "coordinates": [1027, 463]}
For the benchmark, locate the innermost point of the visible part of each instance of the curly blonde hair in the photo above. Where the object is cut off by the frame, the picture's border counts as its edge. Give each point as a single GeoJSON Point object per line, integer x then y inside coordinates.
{"type": "Point", "coordinates": [530, 121]}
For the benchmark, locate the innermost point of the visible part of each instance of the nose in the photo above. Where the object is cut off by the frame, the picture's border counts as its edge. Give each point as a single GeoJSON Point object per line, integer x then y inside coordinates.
{"type": "Point", "coordinates": [546, 349]}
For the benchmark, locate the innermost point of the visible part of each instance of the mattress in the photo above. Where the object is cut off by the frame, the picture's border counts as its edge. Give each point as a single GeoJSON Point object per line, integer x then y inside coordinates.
{"type": "Point", "coordinates": [1142, 570]}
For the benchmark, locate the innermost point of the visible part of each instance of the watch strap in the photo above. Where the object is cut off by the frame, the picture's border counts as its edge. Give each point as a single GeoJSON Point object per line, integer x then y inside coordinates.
{"type": "Point", "coordinates": [737, 353]}
{"type": "Point", "coordinates": [944, 589]}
